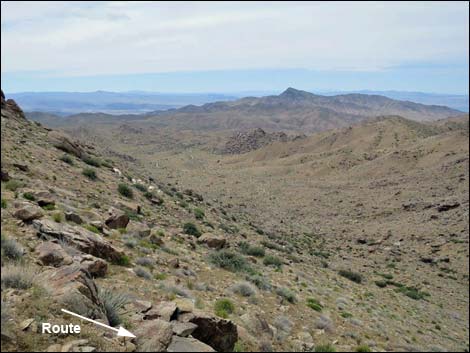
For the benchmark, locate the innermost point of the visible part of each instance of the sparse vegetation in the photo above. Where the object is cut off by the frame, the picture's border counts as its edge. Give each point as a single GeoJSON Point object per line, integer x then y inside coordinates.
{"type": "Point", "coordinates": [122, 261]}
{"type": "Point", "coordinates": [125, 191]}
{"type": "Point", "coordinates": [224, 307]}
{"type": "Point", "coordinates": [49, 207]}
{"type": "Point", "coordinates": [10, 248]}
{"type": "Point", "coordinates": [363, 348]}
{"type": "Point", "coordinates": [142, 272]}
{"type": "Point", "coordinates": [145, 261]}
{"type": "Point", "coordinates": [57, 217]}
{"type": "Point", "coordinates": [67, 159]}
{"type": "Point", "coordinates": [113, 303]}
{"type": "Point", "coordinates": [92, 228]}
{"type": "Point", "coordinates": [229, 261]}
{"type": "Point", "coordinates": [17, 276]}
{"type": "Point", "coordinates": [191, 229]}
{"type": "Point", "coordinates": [325, 348]}
{"type": "Point", "coordinates": [140, 187]}
{"type": "Point", "coordinates": [92, 161]}
{"type": "Point", "coordinates": [199, 213]}
{"type": "Point", "coordinates": [271, 260]}
{"type": "Point", "coordinates": [352, 276]}
{"type": "Point", "coordinates": [314, 304]}
{"type": "Point", "coordinates": [90, 173]}
{"type": "Point", "coordinates": [29, 196]}
{"type": "Point", "coordinates": [286, 294]}
{"type": "Point", "coordinates": [244, 289]}
{"type": "Point", "coordinates": [251, 250]}
{"type": "Point", "coordinates": [259, 281]}
{"type": "Point", "coordinates": [13, 185]}
{"type": "Point", "coordinates": [4, 203]}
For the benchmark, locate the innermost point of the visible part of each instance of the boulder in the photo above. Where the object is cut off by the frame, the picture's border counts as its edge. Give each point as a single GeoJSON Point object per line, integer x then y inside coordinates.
{"type": "Point", "coordinates": [52, 254]}
{"type": "Point", "coordinates": [64, 143]}
{"type": "Point", "coordinates": [153, 336]}
{"type": "Point", "coordinates": [186, 344]}
{"type": "Point", "coordinates": [165, 311]}
{"type": "Point", "coordinates": [183, 329]}
{"type": "Point", "coordinates": [117, 219]}
{"type": "Point", "coordinates": [212, 241]}
{"type": "Point", "coordinates": [95, 266]}
{"type": "Point", "coordinates": [139, 229]}
{"type": "Point", "coordinates": [78, 237]}
{"type": "Point", "coordinates": [72, 284]}
{"type": "Point", "coordinates": [218, 333]}
{"type": "Point", "coordinates": [27, 212]}
{"type": "Point", "coordinates": [73, 217]}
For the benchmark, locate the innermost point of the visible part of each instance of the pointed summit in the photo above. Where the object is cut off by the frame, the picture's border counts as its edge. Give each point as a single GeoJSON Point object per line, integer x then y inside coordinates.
{"type": "Point", "coordinates": [292, 93]}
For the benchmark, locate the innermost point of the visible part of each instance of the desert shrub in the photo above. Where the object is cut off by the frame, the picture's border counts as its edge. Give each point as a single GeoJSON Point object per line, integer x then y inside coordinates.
{"type": "Point", "coordinates": [90, 173]}
{"type": "Point", "coordinates": [92, 161]}
{"type": "Point", "coordinates": [17, 276]}
{"type": "Point", "coordinates": [67, 159]}
{"type": "Point", "coordinates": [199, 213]}
{"type": "Point", "coordinates": [107, 164]}
{"type": "Point", "coordinates": [324, 323]}
{"type": "Point", "coordinates": [229, 261]}
{"type": "Point", "coordinates": [168, 250]}
{"type": "Point", "coordinates": [381, 284]}
{"type": "Point", "coordinates": [145, 261]}
{"type": "Point", "coordinates": [224, 307]}
{"type": "Point", "coordinates": [49, 207]}
{"type": "Point", "coordinates": [91, 228]}
{"type": "Point", "coordinates": [325, 348]}
{"type": "Point", "coordinates": [314, 304]}
{"type": "Point", "coordinates": [123, 260]}
{"type": "Point", "coordinates": [346, 315]}
{"type": "Point", "coordinates": [413, 292]}
{"type": "Point", "coordinates": [286, 294]}
{"type": "Point", "coordinates": [13, 185]}
{"type": "Point", "coordinates": [251, 250]}
{"type": "Point", "coordinates": [271, 260]}
{"type": "Point", "coordinates": [259, 281]}
{"type": "Point", "coordinates": [29, 196]}
{"type": "Point", "coordinates": [142, 272]}
{"type": "Point", "coordinates": [239, 347]}
{"type": "Point", "coordinates": [244, 289]}
{"type": "Point", "coordinates": [272, 246]}
{"type": "Point", "coordinates": [125, 191]}
{"type": "Point", "coordinates": [10, 248]}
{"type": "Point", "coordinates": [161, 276]}
{"type": "Point", "coordinates": [352, 276]}
{"type": "Point", "coordinates": [363, 348]}
{"type": "Point", "coordinates": [140, 187]}
{"type": "Point", "coordinates": [113, 304]}
{"type": "Point", "coordinates": [283, 324]}
{"type": "Point", "coordinates": [191, 229]}
{"type": "Point", "coordinates": [387, 276]}
{"type": "Point", "coordinates": [57, 217]}
{"type": "Point", "coordinates": [4, 203]}
{"type": "Point", "coordinates": [5, 315]}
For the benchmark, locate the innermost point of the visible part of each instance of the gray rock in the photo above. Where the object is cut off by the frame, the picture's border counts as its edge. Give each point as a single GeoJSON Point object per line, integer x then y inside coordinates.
{"type": "Point", "coordinates": [153, 336]}
{"type": "Point", "coordinates": [183, 344]}
{"type": "Point", "coordinates": [183, 329]}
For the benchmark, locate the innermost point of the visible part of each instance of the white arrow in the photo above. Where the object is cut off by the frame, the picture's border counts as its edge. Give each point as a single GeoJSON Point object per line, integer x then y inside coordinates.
{"type": "Point", "coordinates": [121, 331]}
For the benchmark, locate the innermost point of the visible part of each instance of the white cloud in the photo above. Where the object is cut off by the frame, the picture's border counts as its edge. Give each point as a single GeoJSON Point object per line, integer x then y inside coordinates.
{"type": "Point", "coordinates": [87, 38]}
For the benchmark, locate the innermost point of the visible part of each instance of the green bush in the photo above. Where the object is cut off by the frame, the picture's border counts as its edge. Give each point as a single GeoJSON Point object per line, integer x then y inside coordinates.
{"type": "Point", "coordinates": [90, 173]}
{"type": "Point", "coordinates": [113, 304]}
{"type": "Point", "coordinates": [229, 261]}
{"type": "Point", "coordinates": [49, 207]}
{"type": "Point", "coordinates": [314, 304]}
{"type": "Point", "coordinates": [413, 292]}
{"type": "Point", "coordinates": [92, 161]}
{"type": "Point", "coordinates": [122, 261]}
{"type": "Point", "coordinates": [92, 228]}
{"type": "Point", "coordinates": [352, 276]}
{"type": "Point", "coordinates": [199, 213]}
{"type": "Point", "coordinates": [381, 284]}
{"type": "Point", "coordinates": [251, 250]}
{"type": "Point", "coordinates": [140, 187]}
{"type": "Point", "coordinates": [29, 196]}
{"type": "Point", "coordinates": [286, 294]}
{"type": "Point", "coordinates": [271, 260]}
{"type": "Point", "coordinates": [363, 349]}
{"type": "Point", "coordinates": [259, 281]}
{"type": "Point", "coordinates": [57, 217]}
{"type": "Point", "coordinates": [125, 191]}
{"type": "Point", "coordinates": [224, 307]}
{"type": "Point", "coordinates": [191, 229]}
{"type": "Point", "coordinates": [13, 185]}
{"type": "Point", "coordinates": [67, 159]}
{"type": "Point", "coordinates": [4, 203]}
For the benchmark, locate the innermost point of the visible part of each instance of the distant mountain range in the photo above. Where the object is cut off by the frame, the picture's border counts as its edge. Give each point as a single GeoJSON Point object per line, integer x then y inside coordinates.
{"type": "Point", "coordinates": [139, 102]}
{"type": "Point", "coordinates": [293, 110]}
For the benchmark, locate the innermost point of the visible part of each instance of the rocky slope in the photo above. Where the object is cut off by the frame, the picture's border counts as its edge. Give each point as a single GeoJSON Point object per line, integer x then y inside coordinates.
{"type": "Point", "coordinates": [353, 239]}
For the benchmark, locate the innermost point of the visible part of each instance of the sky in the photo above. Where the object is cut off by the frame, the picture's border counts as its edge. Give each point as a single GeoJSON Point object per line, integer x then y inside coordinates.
{"type": "Point", "coordinates": [234, 46]}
